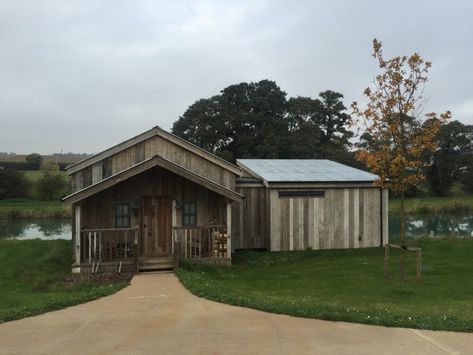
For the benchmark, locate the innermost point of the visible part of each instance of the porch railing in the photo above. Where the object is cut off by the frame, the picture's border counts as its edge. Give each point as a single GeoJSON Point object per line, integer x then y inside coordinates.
{"type": "Point", "coordinates": [109, 245]}
{"type": "Point", "coordinates": [200, 242]}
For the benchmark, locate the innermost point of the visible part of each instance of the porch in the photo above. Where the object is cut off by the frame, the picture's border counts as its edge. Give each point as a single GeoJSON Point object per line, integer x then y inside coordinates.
{"type": "Point", "coordinates": [122, 250]}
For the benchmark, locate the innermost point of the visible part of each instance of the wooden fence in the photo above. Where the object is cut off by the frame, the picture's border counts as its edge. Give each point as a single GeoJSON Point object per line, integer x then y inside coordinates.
{"type": "Point", "coordinates": [109, 245]}
{"type": "Point", "coordinates": [201, 242]}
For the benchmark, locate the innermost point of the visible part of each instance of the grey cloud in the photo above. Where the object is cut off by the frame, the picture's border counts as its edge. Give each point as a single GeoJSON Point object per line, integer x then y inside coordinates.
{"type": "Point", "coordinates": [83, 75]}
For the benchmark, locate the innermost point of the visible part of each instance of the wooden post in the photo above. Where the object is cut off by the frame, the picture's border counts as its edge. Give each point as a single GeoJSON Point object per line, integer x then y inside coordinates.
{"type": "Point", "coordinates": [229, 230]}
{"type": "Point", "coordinates": [89, 235]}
{"type": "Point", "coordinates": [135, 248]}
{"type": "Point", "coordinates": [94, 254]}
{"type": "Point", "coordinates": [386, 260]}
{"type": "Point", "coordinates": [100, 246]}
{"type": "Point", "coordinates": [77, 250]}
{"type": "Point", "coordinates": [173, 223]}
{"type": "Point", "coordinates": [125, 251]}
{"type": "Point", "coordinates": [177, 250]}
{"type": "Point", "coordinates": [418, 263]}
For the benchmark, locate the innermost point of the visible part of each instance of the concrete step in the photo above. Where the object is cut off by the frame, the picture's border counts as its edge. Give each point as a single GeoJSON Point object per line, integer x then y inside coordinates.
{"type": "Point", "coordinates": [156, 264]}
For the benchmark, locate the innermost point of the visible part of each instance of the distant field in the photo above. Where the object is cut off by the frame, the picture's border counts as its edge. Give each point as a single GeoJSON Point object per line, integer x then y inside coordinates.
{"type": "Point", "coordinates": [65, 158]}
{"type": "Point", "coordinates": [34, 176]}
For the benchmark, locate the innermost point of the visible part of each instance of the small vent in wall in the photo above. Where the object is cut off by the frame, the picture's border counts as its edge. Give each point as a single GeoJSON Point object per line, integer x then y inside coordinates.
{"type": "Point", "coordinates": [303, 193]}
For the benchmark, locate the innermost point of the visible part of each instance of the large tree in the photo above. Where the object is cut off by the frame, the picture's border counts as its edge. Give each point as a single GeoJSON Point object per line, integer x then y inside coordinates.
{"type": "Point", "coordinates": [401, 135]}
{"type": "Point", "coordinates": [254, 120]}
{"type": "Point", "coordinates": [448, 162]}
{"type": "Point", "coordinates": [325, 121]}
{"type": "Point", "coordinates": [245, 120]}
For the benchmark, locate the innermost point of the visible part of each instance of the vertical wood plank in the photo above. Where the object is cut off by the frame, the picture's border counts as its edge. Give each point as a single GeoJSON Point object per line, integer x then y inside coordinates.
{"type": "Point", "coordinates": [351, 220]}
{"type": "Point", "coordinates": [385, 216]}
{"type": "Point", "coordinates": [77, 236]}
{"type": "Point", "coordinates": [356, 217]}
{"type": "Point", "coordinates": [316, 218]}
{"type": "Point", "coordinates": [291, 224]}
{"type": "Point", "coordinates": [310, 218]}
{"type": "Point", "coordinates": [275, 225]}
{"type": "Point", "coordinates": [346, 218]}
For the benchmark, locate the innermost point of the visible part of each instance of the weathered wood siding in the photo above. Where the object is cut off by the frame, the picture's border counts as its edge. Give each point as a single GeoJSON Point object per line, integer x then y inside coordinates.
{"type": "Point", "coordinates": [250, 223]}
{"type": "Point", "coordinates": [97, 210]}
{"type": "Point", "coordinates": [344, 218]}
{"type": "Point", "coordinates": [155, 145]}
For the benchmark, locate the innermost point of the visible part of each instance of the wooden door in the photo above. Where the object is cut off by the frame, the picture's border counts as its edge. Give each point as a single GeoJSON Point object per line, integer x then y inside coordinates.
{"type": "Point", "coordinates": [156, 226]}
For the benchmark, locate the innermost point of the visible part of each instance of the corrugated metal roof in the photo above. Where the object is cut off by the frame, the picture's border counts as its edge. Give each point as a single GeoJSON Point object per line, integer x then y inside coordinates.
{"type": "Point", "coordinates": [305, 170]}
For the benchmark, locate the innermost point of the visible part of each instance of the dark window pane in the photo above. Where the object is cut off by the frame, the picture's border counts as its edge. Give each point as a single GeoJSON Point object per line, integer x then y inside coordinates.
{"type": "Point", "coordinates": [122, 215]}
{"type": "Point", "coordinates": [189, 213]}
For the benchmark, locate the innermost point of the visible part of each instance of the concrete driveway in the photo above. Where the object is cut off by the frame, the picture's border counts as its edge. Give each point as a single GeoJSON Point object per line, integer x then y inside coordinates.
{"type": "Point", "coordinates": [157, 315]}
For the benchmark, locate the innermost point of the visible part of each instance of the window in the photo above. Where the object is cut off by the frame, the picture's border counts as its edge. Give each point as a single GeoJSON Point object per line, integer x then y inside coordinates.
{"type": "Point", "coordinates": [302, 193]}
{"type": "Point", "coordinates": [189, 213]}
{"type": "Point", "coordinates": [122, 215]}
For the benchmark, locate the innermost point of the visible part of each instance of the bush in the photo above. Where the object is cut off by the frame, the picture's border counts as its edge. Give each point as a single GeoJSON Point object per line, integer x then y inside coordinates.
{"type": "Point", "coordinates": [34, 158]}
{"type": "Point", "coordinates": [51, 186]}
{"type": "Point", "coordinates": [13, 184]}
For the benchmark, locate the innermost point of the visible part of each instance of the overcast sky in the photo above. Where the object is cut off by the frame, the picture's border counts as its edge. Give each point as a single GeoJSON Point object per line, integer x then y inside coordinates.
{"type": "Point", "coordinates": [84, 75]}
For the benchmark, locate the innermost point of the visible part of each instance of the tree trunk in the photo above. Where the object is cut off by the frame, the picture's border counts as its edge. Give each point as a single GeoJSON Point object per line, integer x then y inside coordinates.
{"type": "Point", "coordinates": [402, 236]}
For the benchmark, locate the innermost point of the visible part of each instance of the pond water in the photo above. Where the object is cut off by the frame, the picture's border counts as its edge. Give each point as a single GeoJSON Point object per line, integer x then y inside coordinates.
{"type": "Point", "coordinates": [49, 228]}
{"type": "Point", "coordinates": [438, 225]}
{"type": "Point", "coordinates": [433, 225]}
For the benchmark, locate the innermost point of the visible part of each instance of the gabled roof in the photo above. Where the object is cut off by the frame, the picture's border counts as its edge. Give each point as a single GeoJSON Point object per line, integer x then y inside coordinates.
{"type": "Point", "coordinates": [145, 165]}
{"type": "Point", "coordinates": [155, 131]}
{"type": "Point", "coordinates": [304, 170]}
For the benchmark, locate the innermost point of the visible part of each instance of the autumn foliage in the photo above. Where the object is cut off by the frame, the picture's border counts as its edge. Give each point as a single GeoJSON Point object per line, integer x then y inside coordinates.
{"type": "Point", "coordinates": [399, 134]}
{"type": "Point", "coordinates": [393, 119]}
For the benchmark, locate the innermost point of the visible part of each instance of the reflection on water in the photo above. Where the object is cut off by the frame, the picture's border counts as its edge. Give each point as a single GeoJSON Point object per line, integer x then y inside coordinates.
{"type": "Point", "coordinates": [35, 229]}
{"type": "Point", "coordinates": [438, 225]}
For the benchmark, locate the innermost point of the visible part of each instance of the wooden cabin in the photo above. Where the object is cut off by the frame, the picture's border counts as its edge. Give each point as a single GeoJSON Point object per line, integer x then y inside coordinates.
{"type": "Point", "coordinates": [140, 203]}
{"type": "Point", "coordinates": [299, 204]}
{"type": "Point", "coordinates": [156, 198]}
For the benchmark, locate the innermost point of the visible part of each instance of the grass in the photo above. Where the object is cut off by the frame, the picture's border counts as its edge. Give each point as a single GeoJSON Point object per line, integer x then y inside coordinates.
{"type": "Point", "coordinates": [433, 204]}
{"type": "Point", "coordinates": [33, 208]}
{"type": "Point", "coordinates": [35, 175]}
{"type": "Point", "coordinates": [347, 285]}
{"type": "Point", "coordinates": [32, 279]}
{"type": "Point", "coordinates": [25, 208]}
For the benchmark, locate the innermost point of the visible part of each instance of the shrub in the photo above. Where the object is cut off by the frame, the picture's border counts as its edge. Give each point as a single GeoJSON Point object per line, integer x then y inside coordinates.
{"type": "Point", "coordinates": [51, 186]}
{"type": "Point", "coordinates": [13, 184]}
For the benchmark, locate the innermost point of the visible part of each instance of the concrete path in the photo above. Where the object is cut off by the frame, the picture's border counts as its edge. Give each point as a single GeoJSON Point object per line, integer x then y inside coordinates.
{"type": "Point", "coordinates": [156, 315]}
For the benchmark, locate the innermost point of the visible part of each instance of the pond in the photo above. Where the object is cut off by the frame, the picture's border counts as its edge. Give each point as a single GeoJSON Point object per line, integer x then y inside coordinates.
{"type": "Point", "coordinates": [433, 225]}
{"type": "Point", "coordinates": [438, 225]}
{"type": "Point", "coordinates": [49, 228]}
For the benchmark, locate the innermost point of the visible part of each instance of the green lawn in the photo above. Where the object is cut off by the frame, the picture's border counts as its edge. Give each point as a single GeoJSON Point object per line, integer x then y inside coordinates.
{"type": "Point", "coordinates": [347, 285]}
{"type": "Point", "coordinates": [25, 208]}
{"type": "Point", "coordinates": [32, 279]}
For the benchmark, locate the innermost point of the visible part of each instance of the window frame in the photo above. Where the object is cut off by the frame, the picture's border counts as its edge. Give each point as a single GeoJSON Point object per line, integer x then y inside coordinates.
{"type": "Point", "coordinates": [122, 216]}
{"type": "Point", "coordinates": [189, 214]}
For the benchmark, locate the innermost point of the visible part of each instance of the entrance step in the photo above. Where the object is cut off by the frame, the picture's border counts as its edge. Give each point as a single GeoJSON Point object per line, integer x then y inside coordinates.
{"type": "Point", "coordinates": [152, 264]}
